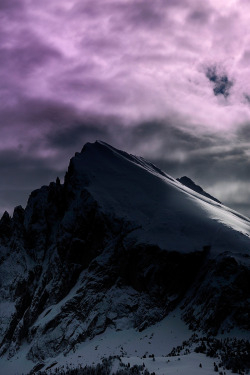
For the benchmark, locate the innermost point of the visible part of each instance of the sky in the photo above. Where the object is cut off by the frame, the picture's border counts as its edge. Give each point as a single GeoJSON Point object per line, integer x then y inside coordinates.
{"type": "Point", "coordinates": [164, 79]}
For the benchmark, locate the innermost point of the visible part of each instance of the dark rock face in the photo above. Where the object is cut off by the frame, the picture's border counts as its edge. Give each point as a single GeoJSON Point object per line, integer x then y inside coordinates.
{"type": "Point", "coordinates": [221, 298]}
{"type": "Point", "coordinates": [68, 270]}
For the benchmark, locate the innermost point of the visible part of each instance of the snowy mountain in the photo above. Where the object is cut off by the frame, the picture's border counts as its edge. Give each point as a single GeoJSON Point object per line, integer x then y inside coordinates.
{"type": "Point", "coordinates": [190, 184]}
{"type": "Point", "coordinates": [117, 250]}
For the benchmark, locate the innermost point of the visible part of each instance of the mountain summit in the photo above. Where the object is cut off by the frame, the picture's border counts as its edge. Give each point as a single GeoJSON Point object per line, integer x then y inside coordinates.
{"type": "Point", "coordinates": [118, 246]}
{"type": "Point", "coordinates": [162, 211]}
{"type": "Point", "coordinates": [189, 183]}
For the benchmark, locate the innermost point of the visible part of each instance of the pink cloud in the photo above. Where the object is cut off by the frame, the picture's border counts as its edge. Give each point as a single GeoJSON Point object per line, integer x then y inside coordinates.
{"type": "Point", "coordinates": [137, 60]}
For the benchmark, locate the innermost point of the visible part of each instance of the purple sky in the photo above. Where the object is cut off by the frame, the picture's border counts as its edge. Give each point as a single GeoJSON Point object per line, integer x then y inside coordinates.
{"type": "Point", "coordinates": [164, 79]}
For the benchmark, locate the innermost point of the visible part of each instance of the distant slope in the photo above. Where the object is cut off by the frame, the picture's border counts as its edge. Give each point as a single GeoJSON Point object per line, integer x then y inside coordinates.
{"type": "Point", "coordinates": [191, 185]}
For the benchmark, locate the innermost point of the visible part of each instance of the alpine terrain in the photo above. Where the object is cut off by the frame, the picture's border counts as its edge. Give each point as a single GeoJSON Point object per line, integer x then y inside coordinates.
{"type": "Point", "coordinates": [122, 268]}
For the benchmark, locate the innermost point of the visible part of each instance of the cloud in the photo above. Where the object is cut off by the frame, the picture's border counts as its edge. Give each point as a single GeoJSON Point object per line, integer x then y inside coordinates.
{"type": "Point", "coordinates": [11, 8]}
{"type": "Point", "coordinates": [131, 14]}
{"type": "Point", "coordinates": [220, 167]}
{"type": "Point", "coordinates": [87, 128]}
{"type": "Point", "coordinates": [27, 54]}
{"type": "Point", "coordinates": [20, 174]}
{"type": "Point", "coordinates": [221, 82]}
{"type": "Point", "coordinates": [209, 159]}
{"type": "Point", "coordinates": [130, 73]}
{"type": "Point", "coordinates": [131, 58]}
{"type": "Point", "coordinates": [245, 59]}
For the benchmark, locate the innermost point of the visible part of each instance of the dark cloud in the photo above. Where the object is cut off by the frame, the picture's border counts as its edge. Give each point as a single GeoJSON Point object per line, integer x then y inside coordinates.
{"type": "Point", "coordinates": [37, 112]}
{"type": "Point", "coordinates": [98, 88]}
{"type": "Point", "coordinates": [247, 97]}
{"type": "Point", "coordinates": [144, 14]}
{"type": "Point", "coordinates": [102, 44]}
{"type": "Point", "coordinates": [220, 174]}
{"type": "Point", "coordinates": [26, 168]}
{"type": "Point", "coordinates": [12, 198]}
{"type": "Point", "coordinates": [20, 174]}
{"type": "Point", "coordinates": [139, 14]}
{"type": "Point", "coordinates": [11, 8]}
{"type": "Point", "coordinates": [243, 207]}
{"type": "Point", "coordinates": [243, 133]}
{"type": "Point", "coordinates": [28, 53]}
{"type": "Point", "coordinates": [172, 138]}
{"type": "Point", "coordinates": [126, 72]}
{"type": "Point", "coordinates": [201, 15]}
{"type": "Point", "coordinates": [75, 136]}
{"type": "Point", "coordinates": [222, 84]}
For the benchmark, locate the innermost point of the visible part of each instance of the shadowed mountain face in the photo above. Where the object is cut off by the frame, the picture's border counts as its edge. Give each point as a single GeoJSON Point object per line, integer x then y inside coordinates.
{"type": "Point", "coordinates": [119, 244]}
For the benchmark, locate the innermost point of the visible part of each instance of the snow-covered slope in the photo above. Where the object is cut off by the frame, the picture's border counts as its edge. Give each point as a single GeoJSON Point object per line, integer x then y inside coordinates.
{"type": "Point", "coordinates": [162, 211]}
{"type": "Point", "coordinates": [116, 248]}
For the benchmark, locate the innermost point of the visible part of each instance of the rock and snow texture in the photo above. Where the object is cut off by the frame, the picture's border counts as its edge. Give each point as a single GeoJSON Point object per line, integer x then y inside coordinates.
{"type": "Point", "coordinates": [117, 247]}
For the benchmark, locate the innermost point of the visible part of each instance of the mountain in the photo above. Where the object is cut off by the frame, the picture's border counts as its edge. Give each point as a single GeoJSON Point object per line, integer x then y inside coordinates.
{"type": "Point", "coordinates": [191, 185]}
{"type": "Point", "coordinates": [120, 249]}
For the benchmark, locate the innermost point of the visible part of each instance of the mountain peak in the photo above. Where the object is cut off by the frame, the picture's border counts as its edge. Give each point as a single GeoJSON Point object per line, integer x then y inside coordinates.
{"type": "Point", "coordinates": [191, 185]}
{"type": "Point", "coordinates": [119, 245]}
{"type": "Point", "coordinates": [128, 186]}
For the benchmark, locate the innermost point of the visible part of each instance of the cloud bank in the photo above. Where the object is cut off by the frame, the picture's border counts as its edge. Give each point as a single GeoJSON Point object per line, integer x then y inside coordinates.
{"type": "Point", "coordinates": [166, 79]}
